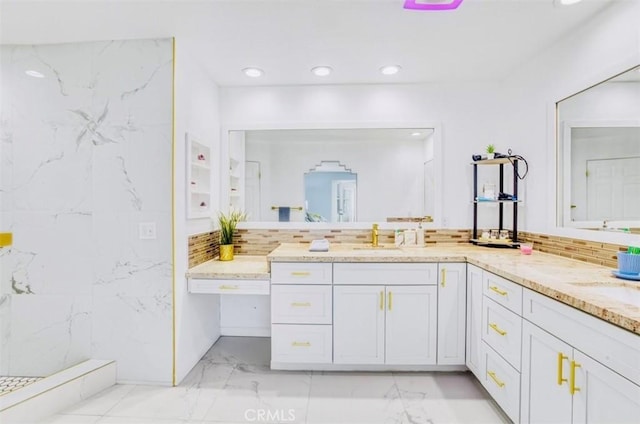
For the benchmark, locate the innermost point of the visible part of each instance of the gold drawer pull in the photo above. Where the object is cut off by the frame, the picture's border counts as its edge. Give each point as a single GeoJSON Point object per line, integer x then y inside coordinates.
{"type": "Point", "coordinates": [497, 290]}
{"type": "Point", "coordinates": [301, 304]}
{"type": "Point", "coordinates": [390, 300]}
{"type": "Point", "coordinates": [381, 300]}
{"type": "Point", "coordinates": [225, 287]}
{"type": "Point", "coordinates": [300, 273]}
{"type": "Point", "coordinates": [561, 358]}
{"type": "Point", "coordinates": [301, 344]}
{"type": "Point", "coordinates": [443, 277]}
{"type": "Point", "coordinates": [572, 378]}
{"type": "Point", "coordinates": [499, 382]}
{"type": "Point", "coordinates": [497, 329]}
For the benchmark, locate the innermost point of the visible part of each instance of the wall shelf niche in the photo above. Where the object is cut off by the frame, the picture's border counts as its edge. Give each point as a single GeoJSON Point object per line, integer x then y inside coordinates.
{"type": "Point", "coordinates": [198, 178]}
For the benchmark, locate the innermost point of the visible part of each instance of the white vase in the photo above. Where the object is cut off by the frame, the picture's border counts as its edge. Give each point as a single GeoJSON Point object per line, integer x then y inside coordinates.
{"type": "Point", "coordinates": [490, 155]}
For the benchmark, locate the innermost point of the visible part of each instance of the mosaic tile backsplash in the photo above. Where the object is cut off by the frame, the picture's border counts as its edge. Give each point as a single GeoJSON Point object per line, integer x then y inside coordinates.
{"type": "Point", "coordinates": [203, 247]}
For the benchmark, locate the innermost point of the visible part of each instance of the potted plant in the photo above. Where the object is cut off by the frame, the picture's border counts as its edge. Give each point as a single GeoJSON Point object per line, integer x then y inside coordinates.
{"type": "Point", "coordinates": [228, 223]}
{"type": "Point", "coordinates": [491, 150]}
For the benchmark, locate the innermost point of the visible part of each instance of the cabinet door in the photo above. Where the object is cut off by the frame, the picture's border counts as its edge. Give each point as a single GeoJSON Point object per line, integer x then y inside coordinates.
{"type": "Point", "coordinates": [545, 396]}
{"type": "Point", "coordinates": [602, 395]}
{"type": "Point", "coordinates": [474, 358]}
{"type": "Point", "coordinates": [411, 325]}
{"type": "Point", "coordinates": [358, 324]}
{"type": "Point", "coordinates": [452, 293]}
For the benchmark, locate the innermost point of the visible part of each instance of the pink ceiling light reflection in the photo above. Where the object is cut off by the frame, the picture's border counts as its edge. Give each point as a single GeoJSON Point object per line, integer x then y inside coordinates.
{"type": "Point", "coordinates": [413, 4]}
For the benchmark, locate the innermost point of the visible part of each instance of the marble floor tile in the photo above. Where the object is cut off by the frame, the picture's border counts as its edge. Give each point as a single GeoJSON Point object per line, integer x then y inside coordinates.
{"type": "Point", "coordinates": [256, 393]}
{"type": "Point", "coordinates": [354, 398]}
{"type": "Point", "coordinates": [234, 384]}
{"type": "Point", "coordinates": [101, 403]}
{"type": "Point", "coordinates": [180, 403]}
{"type": "Point", "coordinates": [241, 350]}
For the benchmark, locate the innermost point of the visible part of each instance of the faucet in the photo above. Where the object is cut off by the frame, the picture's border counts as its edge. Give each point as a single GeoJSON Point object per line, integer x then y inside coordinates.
{"type": "Point", "coordinates": [374, 235]}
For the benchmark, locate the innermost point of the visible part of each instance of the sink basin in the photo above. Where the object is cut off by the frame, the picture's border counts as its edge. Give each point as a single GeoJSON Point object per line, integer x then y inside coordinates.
{"type": "Point", "coordinates": [624, 294]}
{"type": "Point", "coordinates": [378, 248]}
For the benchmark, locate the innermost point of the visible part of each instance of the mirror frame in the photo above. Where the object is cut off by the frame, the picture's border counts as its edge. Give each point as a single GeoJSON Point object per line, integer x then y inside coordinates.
{"type": "Point", "coordinates": [554, 155]}
{"type": "Point", "coordinates": [438, 180]}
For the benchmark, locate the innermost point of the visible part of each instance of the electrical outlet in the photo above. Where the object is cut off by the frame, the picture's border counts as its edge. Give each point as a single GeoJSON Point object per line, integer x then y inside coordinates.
{"type": "Point", "coordinates": [147, 230]}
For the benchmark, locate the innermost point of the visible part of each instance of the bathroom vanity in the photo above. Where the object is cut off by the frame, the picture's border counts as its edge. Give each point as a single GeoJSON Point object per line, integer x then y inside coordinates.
{"type": "Point", "coordinates": [549, 338]}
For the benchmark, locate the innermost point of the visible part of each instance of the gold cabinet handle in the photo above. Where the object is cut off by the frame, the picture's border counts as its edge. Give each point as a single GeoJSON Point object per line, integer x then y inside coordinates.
{"type": "Point", "coordinates": [497, 290]}
{"type": "Point", "coordinates": [572, 378]}
{"type": "Point", "coordinates": [225, 287]}
{"type": "Point", "coordinates": [497, 329]}
{"type": "Point", "coordinates": [443, 277]}
{"type": "Point", "coordinates": [301, 304]}
{"type": "Point", "coordinates": [381, 300]}
{"type": "Point", "coordinates": [561, 358]}
{"type": "Point", "coordinates": [390, 300]}
{"type": "Point", "coordinates": [300, 273]}
{"type": "Point", "coordinates": [301, 344]}
{"type": "Point", "coordinates": [493, 376]}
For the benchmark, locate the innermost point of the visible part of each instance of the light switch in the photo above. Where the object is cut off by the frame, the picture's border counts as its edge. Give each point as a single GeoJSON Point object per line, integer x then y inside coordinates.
{"type": "Point", "coordinates": [147, 230]}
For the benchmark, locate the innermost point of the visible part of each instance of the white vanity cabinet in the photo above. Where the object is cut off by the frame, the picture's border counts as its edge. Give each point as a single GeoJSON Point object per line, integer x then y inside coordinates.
{"type": "Point", "coordinates": [452, 294]}
{"type": "Point", "coordinates": [301, 313]}
{"type": "Point", "coordinates": [391, 320]}
{"type": "Point", "coordinates": [568, 371]}
{"type": "Point", "coordinates": [474, 355]}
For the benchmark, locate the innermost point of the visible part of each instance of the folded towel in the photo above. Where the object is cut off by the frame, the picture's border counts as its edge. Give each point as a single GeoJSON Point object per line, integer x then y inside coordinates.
{"type": "Point", "coordinates": [321, 245]}
{"type": "Point", "coordinates": [284, 213]}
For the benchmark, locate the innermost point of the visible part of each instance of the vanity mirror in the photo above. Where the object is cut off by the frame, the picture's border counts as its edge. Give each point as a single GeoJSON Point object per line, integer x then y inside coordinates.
{"type": "Point", "coordinates": [598, 150]}
{"type": "Point", "coordinates": [333, 175]}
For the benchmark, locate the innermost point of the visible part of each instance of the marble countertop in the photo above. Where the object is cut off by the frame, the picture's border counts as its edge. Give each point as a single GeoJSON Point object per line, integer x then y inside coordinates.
{"type": "Point", "coordinates": [242, 267]}
{"type": "Point", "coordinates": [569, 281]}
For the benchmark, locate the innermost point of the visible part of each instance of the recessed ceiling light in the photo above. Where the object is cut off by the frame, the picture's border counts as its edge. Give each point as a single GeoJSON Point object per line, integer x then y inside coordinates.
{"type": "Point", "coordinates": [34, 74]}
{"type": "Point", "coordinates": [390, 69]}
{"type": "Point", "coordinates": [416, 134]}
{"type": "Point", "coordinates": [569, 2]}
{"type": "Point", "coordinates": [253, 72]}
{"type": "Point", "coordinates": [321, 71]}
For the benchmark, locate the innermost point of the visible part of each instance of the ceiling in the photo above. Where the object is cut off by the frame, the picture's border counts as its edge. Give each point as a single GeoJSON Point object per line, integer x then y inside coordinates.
{"type": "Point", "coordinates": [483, 40]}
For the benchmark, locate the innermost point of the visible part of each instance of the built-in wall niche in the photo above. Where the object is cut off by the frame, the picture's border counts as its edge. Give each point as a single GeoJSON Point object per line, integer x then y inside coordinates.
{"type": "Point", "coordinates": [599, 156]}
{"type": "Point", "coordinates": [198, 178]}
{"type": "Point", "coordinates": [397, 171]}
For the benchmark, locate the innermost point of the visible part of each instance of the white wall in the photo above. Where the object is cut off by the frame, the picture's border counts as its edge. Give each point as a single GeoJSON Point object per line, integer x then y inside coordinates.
{"type": "Point", "coordinates": [86, 156]}
{"type": "Point", "coordinates": [605, 46]}
{"type": "Point", "coordinates": [197, 318]}
{"type": "Point", "coordinates": [466, 111]}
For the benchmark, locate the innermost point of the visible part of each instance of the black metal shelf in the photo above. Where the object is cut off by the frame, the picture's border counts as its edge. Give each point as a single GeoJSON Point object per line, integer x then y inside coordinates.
{"type": "Point", "coordinates": [514, 242]}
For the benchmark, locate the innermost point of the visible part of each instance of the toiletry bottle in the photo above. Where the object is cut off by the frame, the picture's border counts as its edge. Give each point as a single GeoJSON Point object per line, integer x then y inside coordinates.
{"type": "Point", "coordinates": [420, 235]}
{"type": "Point", "coordinates": [398, 238]}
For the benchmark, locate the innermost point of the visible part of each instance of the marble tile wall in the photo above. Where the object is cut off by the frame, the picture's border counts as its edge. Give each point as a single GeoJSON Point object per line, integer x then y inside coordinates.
{"type": "Point", "coordinates": [86, 156]}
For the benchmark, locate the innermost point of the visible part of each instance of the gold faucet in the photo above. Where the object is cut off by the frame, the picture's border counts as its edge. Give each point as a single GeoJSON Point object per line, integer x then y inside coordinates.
{"type": "Point", "coordinates": [374, 235]}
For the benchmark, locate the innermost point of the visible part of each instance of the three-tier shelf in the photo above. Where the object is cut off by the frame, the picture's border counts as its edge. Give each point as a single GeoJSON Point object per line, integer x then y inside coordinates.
{"type": "Point", "coordinates": [513, 239]}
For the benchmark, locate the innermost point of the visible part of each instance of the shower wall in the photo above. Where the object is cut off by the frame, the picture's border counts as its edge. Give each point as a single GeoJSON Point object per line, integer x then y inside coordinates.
{"type": "Point", "coordinates": [85, 158]}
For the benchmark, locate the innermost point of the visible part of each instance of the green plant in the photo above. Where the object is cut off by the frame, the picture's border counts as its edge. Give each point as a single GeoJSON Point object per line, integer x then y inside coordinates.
{"type": "Point", "coordinates": [228, 223]}
{"type": "Point", "coordinates": [491, 148]}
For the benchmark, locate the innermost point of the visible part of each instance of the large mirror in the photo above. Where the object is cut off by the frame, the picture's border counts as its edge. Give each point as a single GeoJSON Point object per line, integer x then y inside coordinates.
{"type": "Point", "coordinates": [334, 175]}
{"type": "Point", "coordinates": [599, 156]}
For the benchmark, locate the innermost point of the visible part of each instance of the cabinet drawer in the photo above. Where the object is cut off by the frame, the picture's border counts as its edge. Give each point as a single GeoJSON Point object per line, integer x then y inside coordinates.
{"type": "Point", "coordinates": [215, 286]}
{"type": "Point", "coordinates": [385, 273]}
{"type": "Point", "coordinates": [503, 291]}
{"type": "Point", "coordinates": [502, 330]}
{"type": "Point", "coordinates": [300, 273]}
{"type": "Point", "coordinates": [301, 343]}
{"type": "Point", "coordinates": [502, 381]}
{"type": "Point", "coordinates": [301, 304]}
